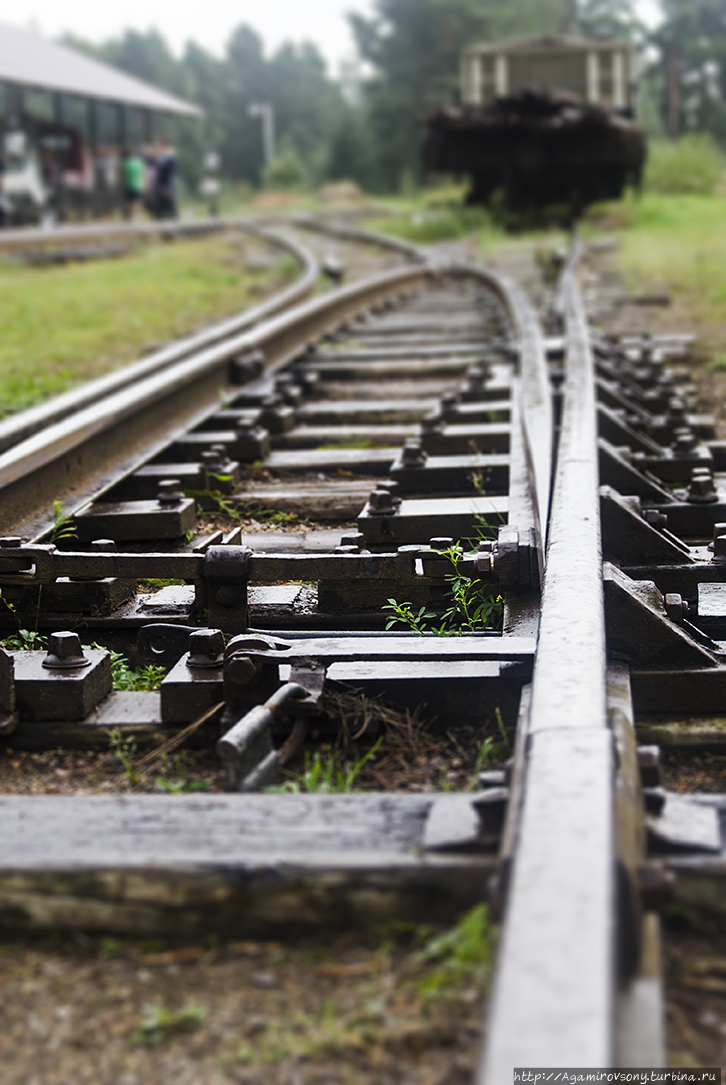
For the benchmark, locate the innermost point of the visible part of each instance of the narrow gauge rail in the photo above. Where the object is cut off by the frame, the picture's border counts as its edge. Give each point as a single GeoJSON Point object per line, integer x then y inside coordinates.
{"type": "Point", "coordinates": [440, 380]}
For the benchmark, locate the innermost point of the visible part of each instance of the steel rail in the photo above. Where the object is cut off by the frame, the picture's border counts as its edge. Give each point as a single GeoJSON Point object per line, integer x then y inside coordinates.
{"type": "Point", "coordinates": [24, 238]}
{"type": "Point", "coordinates": [536, 395]}
{"type": "Point", "coordinates": [18, 427]}
{"type": "Point", "coordinates": [554, 992]}
{"type": "Point", "coordinates": [355, 233]}
{"type": "Point", "coordinates": [74, 457]}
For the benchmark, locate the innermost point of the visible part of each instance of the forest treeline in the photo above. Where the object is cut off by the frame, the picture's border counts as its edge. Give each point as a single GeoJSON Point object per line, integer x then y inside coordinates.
{"type": "Point", "coordinates": [364, 123]}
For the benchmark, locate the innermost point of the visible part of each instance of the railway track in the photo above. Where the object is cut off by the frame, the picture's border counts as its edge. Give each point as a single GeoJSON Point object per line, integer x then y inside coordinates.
{"type": "Point", "coordinates": [504, 529]}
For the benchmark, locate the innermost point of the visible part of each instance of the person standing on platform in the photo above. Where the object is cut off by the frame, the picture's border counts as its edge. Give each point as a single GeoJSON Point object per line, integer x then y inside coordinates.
{"type": "Point", "coordinates": [133, 171]}
{"type": "Point", "coordinates": [165, 181]}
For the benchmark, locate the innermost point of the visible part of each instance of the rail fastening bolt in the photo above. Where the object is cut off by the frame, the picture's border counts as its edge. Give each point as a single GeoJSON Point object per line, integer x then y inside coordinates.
{"type": "Point", "coordinates": [170, 491]}
{"type": "Point", "coordinates": [392, 487]}
{"type": "Point", "coordinates": [477, 374]}
{"type": "Point", "coordinates": [658, 520]}
{"type": "Point", "coordinates": [441, 542]}
{"type": "Point", "coordinates": [240, 670]}
{"type": "Point", "coordinates": [412, 454]}
{"type": "Point", "coordinates": [649, 765]}
{"type": "Point", "coordinates": [381, 503]}
{"type": "Point", "coordinates": [212, 460]}
{"type": "Point", "coordinates": [719, 549]}
{"type": "Point", "coordinates": [702, 490]}
{"type": "Point", "coordinates": [449, 406]}
{"type": "Point", "coordinates": [206, 648]}
{"type": "Point", "coordinates": [675, 607]}
{"type": "Point", "coordinates": [685, 441]}
{"type": "Point", "coordinates": [676, 412]}
{"type": "Point", "coordinates": [65, 652]}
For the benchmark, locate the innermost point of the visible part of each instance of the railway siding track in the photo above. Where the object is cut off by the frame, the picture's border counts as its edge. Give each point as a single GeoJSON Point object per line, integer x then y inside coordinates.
{"type": "Point", "coordinates": [432, 433]}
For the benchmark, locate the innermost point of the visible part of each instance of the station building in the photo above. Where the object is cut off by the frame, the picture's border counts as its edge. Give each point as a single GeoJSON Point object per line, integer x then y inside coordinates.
{"type": "Point", "coordinates": [65, 118]}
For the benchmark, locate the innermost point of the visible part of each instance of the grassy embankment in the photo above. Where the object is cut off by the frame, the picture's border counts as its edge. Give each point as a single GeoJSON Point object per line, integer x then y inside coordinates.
{"type": "Point", "coordinates": [673, 235]}
{"type": "Point", "coordinates": [65, 325]}
{"type": "Point", "coordinates": [679, 241]}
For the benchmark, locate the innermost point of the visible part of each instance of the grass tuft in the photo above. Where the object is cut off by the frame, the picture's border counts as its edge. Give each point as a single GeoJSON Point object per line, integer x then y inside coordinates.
{"type": "Point", "coordinates": [690, 165]}
{"type": "Point", "coordinates": [66, 325]}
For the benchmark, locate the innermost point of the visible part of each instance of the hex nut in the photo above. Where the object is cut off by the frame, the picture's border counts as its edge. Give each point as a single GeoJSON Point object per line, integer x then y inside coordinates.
{"type": "Point", "coordinates": [240, 670]}
{"type": "Point", "coordinates": [412, 454]}
{"type": "Point", "coordinates": [170, 491]}
{"type": "Point", "coordinates": [380, 503]}
{"type": "Point", "coordinates": [655, 518]}
{"type": "Point", "coordinates": [649, 765]}
{"type": "Point", "coordinates": [65, 652]}
{"type": "Point", "coordinates": [675, 607]}
{"type": "Point", "coordinates": [702, 490]}
{"type": "Point", "coordinates": [206, 648]}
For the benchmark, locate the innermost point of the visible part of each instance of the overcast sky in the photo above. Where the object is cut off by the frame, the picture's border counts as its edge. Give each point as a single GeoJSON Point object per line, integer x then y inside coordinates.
{"type": "Point", "coordinates": [208, 22]}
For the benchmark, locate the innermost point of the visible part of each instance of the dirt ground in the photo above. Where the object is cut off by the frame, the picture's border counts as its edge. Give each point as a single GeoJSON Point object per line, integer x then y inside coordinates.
{"type": "Point", "coordinates": [695, 972]}
{"type": "Point", "coordinates": [371, 1010]}
{"type": "Point", "coordinates": [405, 756]}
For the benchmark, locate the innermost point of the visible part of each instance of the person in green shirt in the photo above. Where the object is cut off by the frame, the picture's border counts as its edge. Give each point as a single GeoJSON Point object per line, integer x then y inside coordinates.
{"type": "Point", "coordinates": [133, 171]}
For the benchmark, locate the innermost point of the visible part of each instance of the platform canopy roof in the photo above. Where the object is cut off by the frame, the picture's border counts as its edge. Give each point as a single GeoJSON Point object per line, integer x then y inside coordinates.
{"type": "Point", "coordinates": [31, 61]}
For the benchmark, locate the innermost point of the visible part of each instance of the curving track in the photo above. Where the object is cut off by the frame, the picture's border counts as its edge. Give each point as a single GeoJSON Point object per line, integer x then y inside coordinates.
{"type": "Point", "coordinates": [418, 410]}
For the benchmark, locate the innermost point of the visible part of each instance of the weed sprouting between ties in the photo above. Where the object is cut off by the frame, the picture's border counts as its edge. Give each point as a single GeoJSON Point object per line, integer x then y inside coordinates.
{"type": "Point", "coordinates": [63, 524]}
{"type": "Point", "coordinates": [327, 772]}
{"type": "Point", "coordinates": [469, 610]}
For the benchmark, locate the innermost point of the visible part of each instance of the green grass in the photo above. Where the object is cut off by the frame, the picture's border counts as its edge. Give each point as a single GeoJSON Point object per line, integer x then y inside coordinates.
{"type": "Point", "coordinates": [66, 325]}
{"type": "Point", "coordinates": [677, 241]}
{"type": "Point", "coordinates": [418, 979]}
{"type": "Point", "coordinates": [326, 772]}
{"type": "Point", "coordinates": [690, 165]}
{"type": "Point", "coordinates": [428, 224]}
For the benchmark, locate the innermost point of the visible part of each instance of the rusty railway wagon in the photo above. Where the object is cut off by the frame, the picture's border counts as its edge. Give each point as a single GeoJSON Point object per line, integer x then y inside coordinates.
{"type": "Point", "coordinates": [411, 415]}
{"type": "Point", "coordinates": [542, 121]}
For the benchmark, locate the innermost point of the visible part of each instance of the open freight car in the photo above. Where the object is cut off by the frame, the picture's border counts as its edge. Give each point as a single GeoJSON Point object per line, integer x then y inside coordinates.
{"type": "Point", "coordinates": [542, 121]}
